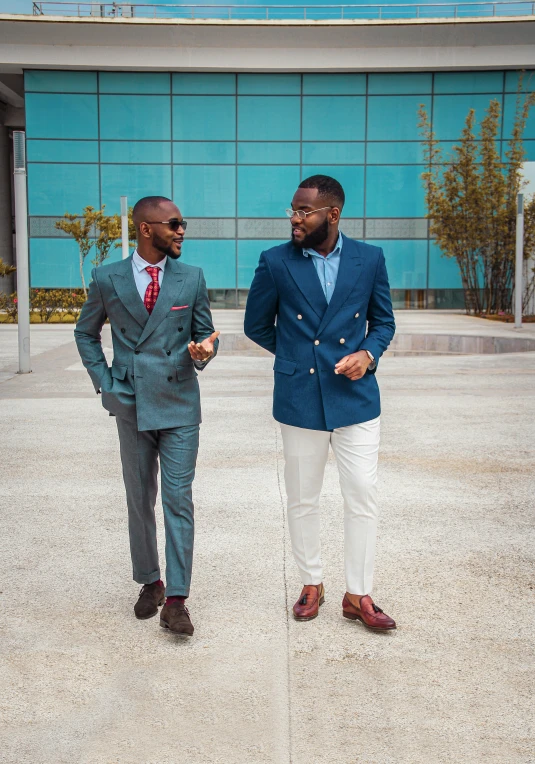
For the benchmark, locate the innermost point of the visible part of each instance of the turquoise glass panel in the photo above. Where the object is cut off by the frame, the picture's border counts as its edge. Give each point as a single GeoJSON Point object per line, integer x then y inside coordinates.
{"type": "Point", "coordinates": [269, 153]}
{"type": "Point", "coordinates": [334, 84]}
{"type": "Point", "coordinates": [444, 272]}
{"type": "Point", "coordinates": [395, 118]}
{"type": "Point", "coordinates": [191, 152]}
{"type": "Point", "coordinates": [54, 263]}
{"type": "Point", "coordinates": [394, 192]}
{"type": "Point", "coordinates": [395, 153]}
{"type": "Point", "coordinates": [61, 82]}
{"type": "Point", "coordinates": [211, 118]}
{"type": "Point", "coordinates": [334, 118]}
{"type": "Point", "coordinates": [136, 152]}
{"type": "Point", "coordinates": [512, 80]}
{"type": "Point", "coordinates": [133, 181]}
{"type": "Point", "coordinates": [202, 84]}
{"type": "Point", "coordinates": [352, 181]}
{"type": "Point", "coordinates": [277, 118]}
{"type": "Point", "coordinates": [54, 189]}
{"type": "Point", "coordinates": [217, 258]}
{"type": "Point", "coordinates": [399, 84]}
{"type": "Point", "coordinates": [468, 82]}
{"type": "Point", "coordinates": [333, 153]}
{"type": "Point", "coordinates": [135, 118]}
{"type": "Point", "coordinates": [248, 256]}
{"type": "Point", "coordinates": [62, 151]}
{"type": "Point", "coordinates": [406, 262]}
{"type": "Point", "coordinates": [266, 191]}
{"type": "Point", "coordinates": [205, 191]}
{"type": "Point", "coordinates": [509, 118]}
{"type": "Point", "coordinates": [450, 113]}
{"type": "Point", "coordinates": [529, 147]}
{"type": "Point", "coordinates": [61, 116]}
{"type": "Point", "coordinates": [269, 84]}
{"type": "Point", "coordinates": [134, 82]}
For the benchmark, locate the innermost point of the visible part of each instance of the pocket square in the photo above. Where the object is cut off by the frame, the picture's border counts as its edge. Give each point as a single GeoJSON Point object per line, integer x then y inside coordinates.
{"type": "Point", "coordinates": [179, 307]}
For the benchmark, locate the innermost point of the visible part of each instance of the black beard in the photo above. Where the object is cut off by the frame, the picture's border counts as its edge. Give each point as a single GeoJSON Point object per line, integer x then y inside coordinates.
{"type": "Point", "coordinates": [315, 237]}
{"type": "Point", "coordinates": [166, 249]}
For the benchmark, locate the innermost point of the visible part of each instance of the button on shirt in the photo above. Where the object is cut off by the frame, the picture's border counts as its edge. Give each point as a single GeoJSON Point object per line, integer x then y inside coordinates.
{"type": "Point", "coordinates": [327, 267]}
{"type": "Point", "coordinates": [142, 277]}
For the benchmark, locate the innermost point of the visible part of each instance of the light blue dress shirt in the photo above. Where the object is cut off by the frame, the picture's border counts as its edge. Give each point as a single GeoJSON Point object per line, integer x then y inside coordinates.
{"type": "Point", "coordinates": [327, 267]}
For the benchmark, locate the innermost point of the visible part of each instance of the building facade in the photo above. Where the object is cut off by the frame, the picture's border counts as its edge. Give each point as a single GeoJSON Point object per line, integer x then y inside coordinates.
{"type": "Point", "coordinates": [231, 146]}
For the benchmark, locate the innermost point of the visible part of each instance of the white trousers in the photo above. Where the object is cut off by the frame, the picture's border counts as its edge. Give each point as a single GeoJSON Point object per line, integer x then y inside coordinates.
{"type": "Point", "coordinates": [356, 449]}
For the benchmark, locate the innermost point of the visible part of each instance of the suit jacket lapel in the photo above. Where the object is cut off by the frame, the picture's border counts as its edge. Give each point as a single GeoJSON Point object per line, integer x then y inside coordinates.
{"type": "Point", "coordinates": [169, 292]}
{"type": "Point", "coordinates": [348, 273]}
{"type": "Point", "coordinates": [126, 289]}
{"type": "Point", "coordinates": [304, 274]}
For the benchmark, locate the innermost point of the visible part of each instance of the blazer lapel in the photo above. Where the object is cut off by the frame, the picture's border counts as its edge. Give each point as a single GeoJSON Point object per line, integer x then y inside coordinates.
{"type": "Point", "coordinates": [169, 292]}
{"type": "Point", "coordinates": [348, 273]}
{"type": "Point", "coordinates": [126, 289]}
{"type": "Point", "coordinates": [304, 274]}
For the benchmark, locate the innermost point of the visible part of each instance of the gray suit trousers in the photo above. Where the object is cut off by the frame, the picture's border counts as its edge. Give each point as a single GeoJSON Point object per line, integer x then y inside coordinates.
{"type": "Point", "coordinates": [176, 449]}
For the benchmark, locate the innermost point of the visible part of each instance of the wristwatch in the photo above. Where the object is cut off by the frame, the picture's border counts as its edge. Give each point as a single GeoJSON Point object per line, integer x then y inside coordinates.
{"type": "Point", "coordinates": [372, 359]}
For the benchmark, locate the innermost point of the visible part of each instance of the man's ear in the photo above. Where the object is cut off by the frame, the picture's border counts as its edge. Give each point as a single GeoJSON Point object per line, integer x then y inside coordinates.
{"type": "Point", "coordinates": [144, 230]}
{"type": "Point", "coordinates": [334, 214]}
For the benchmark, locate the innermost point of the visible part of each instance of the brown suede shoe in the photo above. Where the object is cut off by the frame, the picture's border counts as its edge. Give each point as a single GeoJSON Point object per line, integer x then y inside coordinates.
{"type": "Point", "coordinates": [371, 616]}
{"type": "Point", "coordinates": [307, 606]}
{"type": "Point", "coordinates": [176, 618]}
{"type": "Point", "coordinates": [150, 597]}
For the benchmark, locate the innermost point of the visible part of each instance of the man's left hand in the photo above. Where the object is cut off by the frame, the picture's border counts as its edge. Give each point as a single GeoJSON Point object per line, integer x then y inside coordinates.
{"type": "Point", "coordinates": [353, 366]}
{"type": "Point", "coordinates": [201, 351]}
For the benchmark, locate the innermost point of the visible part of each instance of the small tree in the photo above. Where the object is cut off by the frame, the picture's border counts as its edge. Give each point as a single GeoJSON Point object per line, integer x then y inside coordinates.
{"type": "Point", "coordinates": [82, 229]}
{"type": "Point", "coordinates": [471, 203]}
{"type": "Point", "coordinates": [109, 230]}
{"type": "Point", "coordinates": [6, 270]}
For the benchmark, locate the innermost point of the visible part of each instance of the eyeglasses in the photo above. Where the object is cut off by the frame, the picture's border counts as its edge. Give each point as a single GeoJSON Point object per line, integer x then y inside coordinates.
{"type": "Point", "coordinates": [174, 224]}
{"type": "Point", "coordinates": [301, 214]}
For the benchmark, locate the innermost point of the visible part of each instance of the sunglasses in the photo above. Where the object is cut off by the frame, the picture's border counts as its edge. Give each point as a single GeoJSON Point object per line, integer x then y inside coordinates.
{"type": "Point", "coordinates": [174, 223]}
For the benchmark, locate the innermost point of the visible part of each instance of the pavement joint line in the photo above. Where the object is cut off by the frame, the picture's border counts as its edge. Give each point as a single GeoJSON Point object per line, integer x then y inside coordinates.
{"type": "Point", "coordinates": [285, 582]}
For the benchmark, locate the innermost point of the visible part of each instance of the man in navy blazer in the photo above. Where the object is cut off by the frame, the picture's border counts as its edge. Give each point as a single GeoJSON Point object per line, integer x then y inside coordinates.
{"type": "Point", "coordinates": [321, 304]}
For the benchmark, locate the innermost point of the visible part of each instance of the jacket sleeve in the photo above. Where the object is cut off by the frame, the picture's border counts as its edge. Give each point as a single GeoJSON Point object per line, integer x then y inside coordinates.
{"type": "Point", "coordinates": [262, 306]}
{"type": "Point", "coordinates": [88, 336]}
{"type": "Point", "coordinates": [381, 324]}
{"type": "Point", "coordinates": [201, 320]}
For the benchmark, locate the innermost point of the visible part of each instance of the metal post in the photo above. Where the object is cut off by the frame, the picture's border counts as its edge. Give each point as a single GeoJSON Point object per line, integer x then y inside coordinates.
{"type": "Point", "coordinates": [519, 260]}
{"type": "Point", "coordinates": [23, 266]}
{"type": "Point", "coordinates": [124, 227]}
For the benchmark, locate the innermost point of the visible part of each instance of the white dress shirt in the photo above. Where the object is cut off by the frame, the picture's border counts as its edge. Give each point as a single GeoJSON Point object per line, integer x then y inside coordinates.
{"type": "Point", "coordinates": [142, 277]}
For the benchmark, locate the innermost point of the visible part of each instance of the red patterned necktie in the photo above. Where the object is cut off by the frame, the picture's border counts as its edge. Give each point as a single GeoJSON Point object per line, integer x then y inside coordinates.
{"type": "Point", "coordinates": [153, 289]}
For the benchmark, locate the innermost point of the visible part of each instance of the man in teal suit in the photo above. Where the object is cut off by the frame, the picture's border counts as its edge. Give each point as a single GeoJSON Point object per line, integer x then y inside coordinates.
{"type": "Point", "coordinates": [162, 330]}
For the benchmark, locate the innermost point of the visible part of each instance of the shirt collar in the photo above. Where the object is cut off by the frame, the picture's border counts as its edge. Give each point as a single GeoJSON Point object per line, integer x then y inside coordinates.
{"type": "Point", "coordinates": [142, 264]}
{"type": "Point", "coordinates": [336, 251]}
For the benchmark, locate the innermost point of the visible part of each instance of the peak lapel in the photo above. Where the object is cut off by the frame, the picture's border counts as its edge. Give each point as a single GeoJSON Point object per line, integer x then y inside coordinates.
{"type": "Point", "coordinates": [126, 289]}
{"type": "Point", "coordinates": [304, 274]}
{"type": "Point", "coordinates": [348, 273]}
{"type": "Point", "coordinates": [169, 292]}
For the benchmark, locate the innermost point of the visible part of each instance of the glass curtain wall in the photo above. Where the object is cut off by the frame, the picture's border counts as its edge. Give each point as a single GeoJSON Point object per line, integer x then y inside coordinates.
{"type": "Point", "coordinates": [230, 149]}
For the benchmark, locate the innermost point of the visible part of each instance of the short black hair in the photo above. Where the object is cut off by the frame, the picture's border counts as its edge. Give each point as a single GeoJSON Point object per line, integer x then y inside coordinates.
{"type": "Point", "coordinates": [145, 205]}
{"type": "Point", "coordinates": [328, 189]}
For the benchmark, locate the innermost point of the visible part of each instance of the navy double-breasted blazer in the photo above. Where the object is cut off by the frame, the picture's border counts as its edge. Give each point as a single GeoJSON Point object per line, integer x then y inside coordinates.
{"type": "Point", "coordinates": [287, 314]}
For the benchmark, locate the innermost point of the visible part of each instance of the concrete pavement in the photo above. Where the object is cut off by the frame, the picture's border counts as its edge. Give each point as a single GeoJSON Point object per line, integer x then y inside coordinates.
{"type": "Point", "coordinates": [83, 681]}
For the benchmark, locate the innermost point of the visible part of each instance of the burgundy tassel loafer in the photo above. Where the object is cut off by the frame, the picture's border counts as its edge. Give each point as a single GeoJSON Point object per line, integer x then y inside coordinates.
{"type": "Point", "coordinates": [371, 616]}
{"type": "Point", "coordinates": [307, 606]}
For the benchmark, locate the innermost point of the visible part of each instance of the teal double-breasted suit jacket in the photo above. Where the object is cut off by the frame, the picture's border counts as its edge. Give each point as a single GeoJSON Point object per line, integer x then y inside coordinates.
{"type": "Point", "coordinates": [152, 379]}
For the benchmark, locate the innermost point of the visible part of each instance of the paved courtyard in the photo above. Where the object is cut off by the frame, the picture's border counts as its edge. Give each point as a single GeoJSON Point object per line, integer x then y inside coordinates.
{"type": "Point", "coordinates": [83, 681]}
